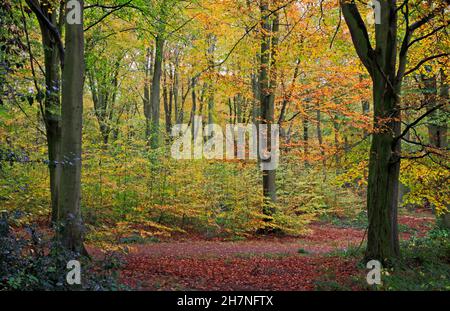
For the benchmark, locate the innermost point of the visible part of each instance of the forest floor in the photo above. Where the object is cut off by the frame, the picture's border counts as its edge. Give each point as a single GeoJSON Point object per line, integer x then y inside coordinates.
{"type": "Point", "coordinates": [314, 261]}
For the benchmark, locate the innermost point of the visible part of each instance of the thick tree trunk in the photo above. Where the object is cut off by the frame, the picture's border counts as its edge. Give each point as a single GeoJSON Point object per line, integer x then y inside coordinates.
{"type": "Point", "coordinates": [71, 225]}
{"type": "Point", "coordinates": [384, 158]}
{"type": "Point", "coordinates": [383, 183]}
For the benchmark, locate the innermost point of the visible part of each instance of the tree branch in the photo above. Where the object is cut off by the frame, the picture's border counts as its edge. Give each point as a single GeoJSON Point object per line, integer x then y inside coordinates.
{"type": "Point", "coordinates": [358, 31]}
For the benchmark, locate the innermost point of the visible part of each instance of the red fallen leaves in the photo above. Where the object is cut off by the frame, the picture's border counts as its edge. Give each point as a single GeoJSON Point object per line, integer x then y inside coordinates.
{"type": "Point", "coordinates": [260, 264]}
{"type": "Point", "coordinates": [419, 224]}
{"type": "Point", "coordinates": [257, 273]}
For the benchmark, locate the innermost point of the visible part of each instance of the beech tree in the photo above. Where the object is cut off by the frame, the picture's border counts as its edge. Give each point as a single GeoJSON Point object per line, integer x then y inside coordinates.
{"type": "Point", "coordinates": [50, 17]}
{"type": "Point", "coordinates": [387, 63]}
{"type": "Point", "coordinates": [267, 80]}
{"type": "Point", "coordinates": [70, 221]}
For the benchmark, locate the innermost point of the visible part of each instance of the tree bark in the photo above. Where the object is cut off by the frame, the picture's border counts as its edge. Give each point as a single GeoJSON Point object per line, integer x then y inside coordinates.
{"type": "Point", "coordinates": [167, 98]}
{"type": "Point", "coordinates": [71, 224]}
{"type": "Point", "coordinates": [267, 79]}
{"type": "Point", "coordinates": [52, 107]}
{"type": "Point", "coordinates": [146, 100]}
{"type": "Point", "coordinates": [156, 91]}
{"type": "Point", "coordinates": [384, 158]}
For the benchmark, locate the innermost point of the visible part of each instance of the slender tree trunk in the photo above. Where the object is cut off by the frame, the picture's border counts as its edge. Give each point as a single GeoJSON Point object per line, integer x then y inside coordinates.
{"type": "Point", "coordinates": [230, 110]}
{"type": "Point", "coordinates": [71, 229]}
{"type": "Point", "coordinates": [337, 156]}
{"type": "Point", "coordinates": [156, 91]}
{"type": "Point", "coordinates": [256, 97]}
{"type": "Point", "coordinates": [210, 90]}
{"type": "Point", "coordinates": [305, 122]}
{"type": "Point", "coordinates": [147, 106]}
{"type": "Point", "coordinates": [167, 98]}
{"type": "Point", "coordinates": [269, 43]}
{"type": "Point", "coordinates": [194, 106]}
{"type": "Point", "coordinates": [319, 135]}
{"type": "Point", "coordinates": [176, 93]}
{"type": "Point", "coordinates": [52, 115]}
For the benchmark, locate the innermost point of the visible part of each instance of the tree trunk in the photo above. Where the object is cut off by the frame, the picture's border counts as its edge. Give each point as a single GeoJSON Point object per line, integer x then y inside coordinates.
{"type": "Point", "coordinates": [383, 183]}
{"type": "Point", "coordinates": [305, 122]}
{"type": "Point", "coordinates": [269, 42]}
{"type": "Point", "coordinates": [146, 100]}
{"type": "Point", "coordinates": [52, 115]}
{"type": "Point", "coordinates": [337, 156]}
{"type": "Point", "coordinates": [156, 91]}
{"type": "Point", "coordinates": [194, 106]}
{"type": "Point", "coordinates": [384, 158]}
{"type": "Point", "coordinates": [319, 136]}
{"type": "Point", "coordinates": [210, 90]}
{"type": "Point", "coordinates": [71, 224]}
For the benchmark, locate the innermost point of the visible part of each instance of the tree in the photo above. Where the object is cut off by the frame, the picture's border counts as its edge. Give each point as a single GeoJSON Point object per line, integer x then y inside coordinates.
{"type": "Point", "coordinates": [104, 79]}
{"type": "Point", "coordinates": [70, 221]}
{"type": "Point", "coordinates": [267, 80]}
{"type": "Point", "coordinates": [387, 71]}
{"type": "Point", "coordinates": [50, 26]}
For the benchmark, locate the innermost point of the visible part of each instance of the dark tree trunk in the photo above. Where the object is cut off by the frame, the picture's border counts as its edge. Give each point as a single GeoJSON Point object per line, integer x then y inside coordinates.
{"type": "Point", "coordinates": [384, 171]}
{"type": "Point", "coordinates": [156, 91]}
{"type": "Point", "coordinates": [384, 158]}
{"type": "Point", "coordinates": [52, 114]}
